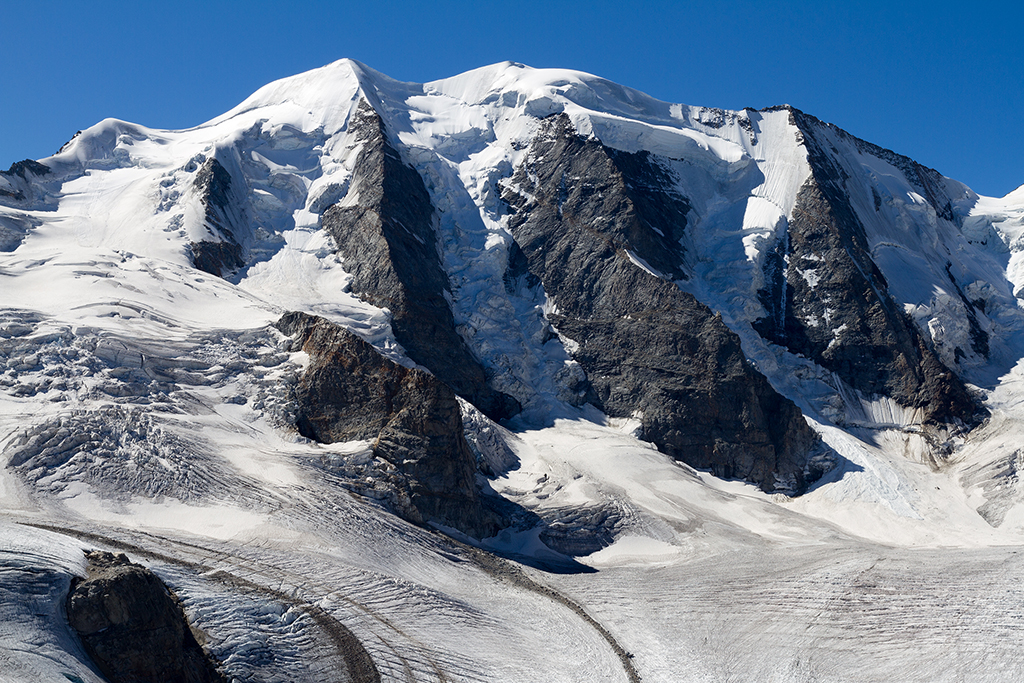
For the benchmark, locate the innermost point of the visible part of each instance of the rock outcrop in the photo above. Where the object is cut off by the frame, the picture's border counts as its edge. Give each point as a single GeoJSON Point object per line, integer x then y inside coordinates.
{"type": "Point", "coordinates": [18, 179]}
{"type": "Point", "coordinates": [351, 392]}
{"type": "Point", "coordinates": [223, 254]}
{"type": "Point", "coordinates": [389, 245]}
{"type": "Point", "coordinates": [843, 317]}
{"type": "Point", "coordinates": [14, 228]}
{"type": "Point", "coordinates": [595, 224]}
{"type": "Point", "coordinates": [133, 627]}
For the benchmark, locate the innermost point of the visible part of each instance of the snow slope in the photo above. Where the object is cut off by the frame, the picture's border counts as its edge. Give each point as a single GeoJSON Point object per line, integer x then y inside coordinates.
{"type": "Point", "coordinates": [142, 409]}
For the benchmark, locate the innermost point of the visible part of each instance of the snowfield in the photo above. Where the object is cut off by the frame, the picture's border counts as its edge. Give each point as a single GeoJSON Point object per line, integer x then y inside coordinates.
{"type": "Point", "coordinates": [145, 409]}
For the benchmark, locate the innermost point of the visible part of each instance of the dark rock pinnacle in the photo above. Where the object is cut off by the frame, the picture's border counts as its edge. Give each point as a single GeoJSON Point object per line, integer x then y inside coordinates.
{"type": "Point", "coordinates": [217, 257]}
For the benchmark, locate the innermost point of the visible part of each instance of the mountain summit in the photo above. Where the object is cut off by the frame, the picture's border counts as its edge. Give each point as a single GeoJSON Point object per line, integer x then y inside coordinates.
{"type": "Point", "coordinates": [554, 318]}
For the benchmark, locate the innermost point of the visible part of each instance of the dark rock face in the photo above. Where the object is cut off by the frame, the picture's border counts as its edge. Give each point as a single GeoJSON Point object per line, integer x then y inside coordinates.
{"type": "Point", "coordinates": [213, 183]}
{"type": "Point", "coordinates": [18, 174]}
{"type": "Point", "coordinates": [647, 347]}
{"type": "Point", "coordinates": [216, 258]}
{"type": "Point", "coordinates": [14, 228]}
{"type": "Point", "coordinates": [351, 392]}
{"type": "Point", "coordinates": [847, 322]}
{"type": "Point", "coordinates": [389, 245]}
{"type": "Point", "coordinates": [133, 627]}
{"type": "Point", "coordinates": [20, 168]}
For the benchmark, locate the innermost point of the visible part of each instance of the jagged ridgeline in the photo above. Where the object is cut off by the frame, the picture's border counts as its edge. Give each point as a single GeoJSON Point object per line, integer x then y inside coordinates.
{"type": "Point", "coordinates": [648, 348]}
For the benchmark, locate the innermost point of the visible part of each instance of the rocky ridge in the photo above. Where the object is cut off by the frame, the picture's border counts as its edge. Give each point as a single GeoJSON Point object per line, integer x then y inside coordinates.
{"type": "Point", "coordinates": [223, 253]}
{"type": "Point", "coordinates": [349, 392]}
{"type": "Point", "coordinates": [389, 245]}
{"type": "Point", "coordinates": [582, 214]}
{"type": "Point", "coordinates": [147, 401]}
{"type": "Point", "coordinates": [592, 235]}
{"type": "Point", "coordinates": [842, 316]}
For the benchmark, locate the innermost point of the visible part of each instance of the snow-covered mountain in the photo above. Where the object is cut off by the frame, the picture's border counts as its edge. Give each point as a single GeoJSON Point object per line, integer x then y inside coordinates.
{"type": "Point", "coordinates": [517, 374]}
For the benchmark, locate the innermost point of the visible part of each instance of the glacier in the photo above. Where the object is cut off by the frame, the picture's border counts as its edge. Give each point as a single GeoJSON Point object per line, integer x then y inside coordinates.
{"type": "Point", "coordinates": [145, 405]}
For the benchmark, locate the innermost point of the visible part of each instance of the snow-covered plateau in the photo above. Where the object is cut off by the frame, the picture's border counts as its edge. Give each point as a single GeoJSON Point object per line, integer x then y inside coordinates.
{"type": "Point", "coordinates": [740, 397]}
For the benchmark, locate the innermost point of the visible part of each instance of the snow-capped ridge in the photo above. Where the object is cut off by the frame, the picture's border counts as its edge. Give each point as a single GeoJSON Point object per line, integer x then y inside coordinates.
{"type": "Point", "coordinates": [111, 143]}
{"type": "Point", "coordinates": [322, 97]}
{"type": "Point", "coordinates": [1015, 195]}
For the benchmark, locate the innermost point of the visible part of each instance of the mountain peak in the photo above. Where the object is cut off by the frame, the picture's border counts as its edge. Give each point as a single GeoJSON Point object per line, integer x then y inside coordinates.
{"type": "Point", "coordinates": [289, 355]}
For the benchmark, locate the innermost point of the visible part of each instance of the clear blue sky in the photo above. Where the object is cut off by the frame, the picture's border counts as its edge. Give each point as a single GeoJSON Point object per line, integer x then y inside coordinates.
{"type": "Point", "coordinates": [941, 82]}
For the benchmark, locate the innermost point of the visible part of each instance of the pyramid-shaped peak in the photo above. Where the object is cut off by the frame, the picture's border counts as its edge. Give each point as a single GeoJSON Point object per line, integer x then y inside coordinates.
{"type": "Point", "coordinates": [321, 96]}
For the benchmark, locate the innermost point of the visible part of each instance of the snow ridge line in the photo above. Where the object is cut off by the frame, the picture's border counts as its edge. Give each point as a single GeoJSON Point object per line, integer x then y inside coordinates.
{"type": "Point", "coordinates": [360, 665]}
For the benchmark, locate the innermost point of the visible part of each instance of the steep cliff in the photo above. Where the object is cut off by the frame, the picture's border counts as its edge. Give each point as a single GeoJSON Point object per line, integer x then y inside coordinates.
{"type": "Point", "coordinates": [830, 301]}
